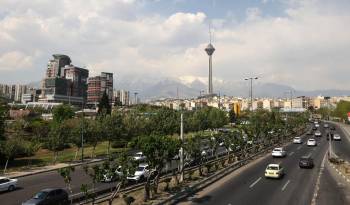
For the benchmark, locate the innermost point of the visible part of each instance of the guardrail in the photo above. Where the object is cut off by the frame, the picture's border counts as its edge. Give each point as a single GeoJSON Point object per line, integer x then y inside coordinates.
{"type": "Point", "coordinates": [105, 193]}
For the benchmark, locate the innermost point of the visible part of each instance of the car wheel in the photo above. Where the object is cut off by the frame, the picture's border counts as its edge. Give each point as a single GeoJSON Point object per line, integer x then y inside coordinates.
{"type": "Point", "coordinates": [11, 188]}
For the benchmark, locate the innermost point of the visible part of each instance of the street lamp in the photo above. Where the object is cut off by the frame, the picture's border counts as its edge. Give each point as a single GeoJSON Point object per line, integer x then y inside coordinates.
{"type": "Point", "coordinates": [251, 91]}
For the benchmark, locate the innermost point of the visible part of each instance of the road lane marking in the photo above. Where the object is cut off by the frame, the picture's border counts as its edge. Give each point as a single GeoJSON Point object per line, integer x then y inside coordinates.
{"type": "Point", "coordinates": [290, 154]}
{"type": "Point", "coordinates": [299, 147]}
{"type": "Point", "coordinates": [255, 183]}
{"type": "Point", "coordinates": [285, 186]}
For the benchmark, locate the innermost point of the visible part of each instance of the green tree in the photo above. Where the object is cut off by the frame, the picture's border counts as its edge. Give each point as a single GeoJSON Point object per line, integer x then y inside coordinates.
{"type": "Point", "coordinates": [104, 106]}
{"type": "Point", "coordinates": [93, 134]}
{"type": "Point", "coordinates": [65, 173]}
{"type": "Point", "coordinates": [113, 127]}
{"type": "Point", "coordinates": [342, 109]}
{"type": "Point", "coordinates": [57, 138]}
{"type": "Point", "coordinates": [10, 149]}
{"type": "Point", "coordinates": [232, 116]}
{"type": "Point", "coordinates": [192, 147]}
{"type": "Point", "coordinates": [156, 149]}
{"type": "Point", "coordinates": [62, 112]}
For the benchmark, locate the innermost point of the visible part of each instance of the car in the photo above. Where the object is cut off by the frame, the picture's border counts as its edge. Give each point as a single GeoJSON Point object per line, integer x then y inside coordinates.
{"type": "Point", "coordinates": [314, 128]}
{"type": "Point", "coordinates": [141, 173]}
{"type": "Point", "coordinates": [7, 184]}
{"type": "Point", "coordinates": [297, 140]}
{"type": "Point", "coordinates": [336, 137]}
{"type": "Point", "coordinates": [332, 128]}
{"type": "Point", "coordinates": [139, 156]}
{"type": "Point", "coordinates": [274, 171]}
{"type": "Point", "coordinates": [51, 196]}
{"type": "Point", "coordinates": [112, 176]}
{"type": "Point", "coordinates": [318, 133]}
{"type": "Point", "coordinates": [311, 142]}
{"type": "Point", "coordinates": [306, 162]}
{"type": "Point", "coordinates": [317, 125]}
{"type": "Point", "coordinates": [325, 125]}
{"type": "Point", "coordinates": [279, 152]}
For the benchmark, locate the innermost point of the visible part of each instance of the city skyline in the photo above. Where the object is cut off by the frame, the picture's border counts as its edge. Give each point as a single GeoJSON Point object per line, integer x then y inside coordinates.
{"type": "Point", "coordinates": [297, 46]}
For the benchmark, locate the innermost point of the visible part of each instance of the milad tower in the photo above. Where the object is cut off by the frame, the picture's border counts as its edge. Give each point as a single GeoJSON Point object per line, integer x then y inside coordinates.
{"type": "Point", "coordinates": [210, 50]}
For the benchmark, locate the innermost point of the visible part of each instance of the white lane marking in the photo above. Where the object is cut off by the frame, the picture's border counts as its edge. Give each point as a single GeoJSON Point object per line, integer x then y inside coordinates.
{"type": "Point", "coordinates": [299, 147]}
{"type": "Point", "coordinates": [290, 154]}
{"type": "Point", "coordinates": [255, 182]}
{"type": "Point", "coordinates": [285, 186]}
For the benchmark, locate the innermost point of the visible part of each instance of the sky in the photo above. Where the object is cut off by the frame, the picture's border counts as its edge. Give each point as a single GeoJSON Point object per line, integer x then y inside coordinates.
{"type": "Point", "coordinates": [300, 43]}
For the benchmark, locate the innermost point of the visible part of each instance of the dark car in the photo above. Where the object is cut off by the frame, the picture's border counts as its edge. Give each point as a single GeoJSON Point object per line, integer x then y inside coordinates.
{"type": "Point", "coordinates": [314, 128]}
{"type": "Point", "coordinates": [310, 132]}
{"type": "Point", "coordinates": [49, 197]}
{"type": "Point", "coordinates": [332, 128]}
{"type": "Point", "coordinates": [306, 162]}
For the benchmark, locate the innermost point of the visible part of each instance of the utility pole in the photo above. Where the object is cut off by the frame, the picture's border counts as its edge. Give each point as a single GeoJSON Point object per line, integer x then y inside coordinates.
{"type": "Point", "coordinates": [181, 151]}
{"type": "Point", "coordinates": [251, 91]}
{"type": "Point", "coordinates": [82, 133]}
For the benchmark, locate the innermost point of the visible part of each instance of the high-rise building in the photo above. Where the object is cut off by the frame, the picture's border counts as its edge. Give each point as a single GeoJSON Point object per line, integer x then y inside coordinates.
{"type": "Point", "coordinates": [64, 82]}
{"type": "Point", "coordinates": [97, 86]}
{"type": "Point", "coordinates": [19, 91]}
{"type": "Point", "coordinates": [122, 97]}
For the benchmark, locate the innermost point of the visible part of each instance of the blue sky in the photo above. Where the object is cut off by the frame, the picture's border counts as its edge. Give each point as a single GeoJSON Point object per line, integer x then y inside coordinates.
{"type": "Point", "coordinates": [283, 41]}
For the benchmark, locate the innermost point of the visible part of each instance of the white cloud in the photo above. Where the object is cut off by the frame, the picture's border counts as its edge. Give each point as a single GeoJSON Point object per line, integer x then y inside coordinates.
{"type": "Point", "coordinates": [14, 60]}
{"type": "Point", "coordinates": [307, 48]}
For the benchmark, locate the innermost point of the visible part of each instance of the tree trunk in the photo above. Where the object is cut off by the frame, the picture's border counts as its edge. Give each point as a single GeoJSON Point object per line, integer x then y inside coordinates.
{"type": "Point", "coordinates": [55, 153]}
{"type": "Point", "coordinates": [176, 180]}
{"type": "Point", "coordinates": [7, 161]}
{"type": "Point", "coordinates": [114, 194]}
{"type": "Point", "coordinates": [76, 153]}
{"type": "Point", "coordinates": [147, 190]}
{"type": "Point", "coordinates": [109, 145]}
{"type": "Point", "coordinates": [93, 152]}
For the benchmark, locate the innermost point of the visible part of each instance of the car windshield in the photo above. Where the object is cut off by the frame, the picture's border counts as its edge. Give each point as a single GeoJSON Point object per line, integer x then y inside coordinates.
{"type": "Point", "coordinates": [311, 140]}
{"type": "Point", "coordinates": [41, 195]}
{"type": "Point", "coordinates": [277, 150]}
{"type": "Point", "coordinates": [297, 138]}
{"type": "Point", "coordinates": [272, 167]}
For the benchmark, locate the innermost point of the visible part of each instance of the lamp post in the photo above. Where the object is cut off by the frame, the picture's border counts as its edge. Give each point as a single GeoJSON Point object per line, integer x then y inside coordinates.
{"type": "Point", "coordinates": [251, 91]}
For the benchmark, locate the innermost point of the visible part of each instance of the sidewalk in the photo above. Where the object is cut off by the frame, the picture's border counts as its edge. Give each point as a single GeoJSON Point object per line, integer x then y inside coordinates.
{"type": "Point", "coordinates": [49, 168]}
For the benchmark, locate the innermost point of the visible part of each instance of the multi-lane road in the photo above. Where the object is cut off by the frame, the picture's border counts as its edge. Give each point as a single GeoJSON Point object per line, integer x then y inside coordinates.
{"type": "Point", "coordinates": [249, 186]}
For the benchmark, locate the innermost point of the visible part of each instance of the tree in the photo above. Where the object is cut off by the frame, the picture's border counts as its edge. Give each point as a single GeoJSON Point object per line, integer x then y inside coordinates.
{"type": "Point", "coordinates": [65, 173]}
{"type": "Point", "coordinates": [156, 149]}
{"type": "Point", "coordinates": [10, 149]}
{"type": "Point", "coordinates": [342, 109]}
{"type": "Point", "coordinates": [56, 138]}
{"type": "Point", "coordinates": [74, 130]}
{"type": "Point", "coordinates": [192, 147]}
{"type": "Point", "coordinates": [113, 125]}
{"type": "Point", "coordinates": [95, 172]}
{"type": "Point", "coordinates": [126, 165]}
{"type": "Point", "coordinates": [104, 106]}
{"type": "Point", "coordinates": [93, 134]}
{"type": "Point", "coordinates": [232, 116]}
{"type": "Point", "coordinates": [62, 112]}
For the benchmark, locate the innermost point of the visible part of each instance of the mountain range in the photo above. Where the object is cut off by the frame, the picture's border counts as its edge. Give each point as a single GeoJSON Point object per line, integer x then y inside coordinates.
{"type": "Point", "coordinates": [155, 87]}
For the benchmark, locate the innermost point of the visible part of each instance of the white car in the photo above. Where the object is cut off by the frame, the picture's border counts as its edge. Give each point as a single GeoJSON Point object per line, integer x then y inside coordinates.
{"type": "Point", "coordinates": [297, 140]}
{"type": "Point", "coordinates": [325, 125]}
{"type": "Point", "coordinates": [317, 125]}
{"type": "Point", "coordinates": [110, 177]}
{"type": "Point", "coordinates": [141, 173]}
{"type": "Point", "coordinates": [7, 184]}
{"type": "Point", "coordinates": [318, 133]}
{"type": "Point", "coordinates": [336, 137]}
{"type": "Point", "coordinates": [274, 171]}
{"type": "Point", "coordinates": [311, 142]}
{"type": "Point", "coordinates": [279, 152]}
{"type": "Point", "coordinates": [139, 156]}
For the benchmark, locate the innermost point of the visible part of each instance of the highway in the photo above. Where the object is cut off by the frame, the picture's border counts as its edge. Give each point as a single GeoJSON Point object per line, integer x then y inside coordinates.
{"type": "Point", "coordinates": [249, 186]}
{"type": "Point", "coordinates": [341, 148]}
{"type": "Point", "coordinates": [29, 185]}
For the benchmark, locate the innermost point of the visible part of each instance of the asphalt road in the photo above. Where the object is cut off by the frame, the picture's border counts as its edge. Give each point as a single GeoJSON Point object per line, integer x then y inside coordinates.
{"type": "Point", "coordinates": [251, 187]}
{"type": "Point", "coordinates": [28, 186]}
{"type": "Point", "coordinates": [341, 148]}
